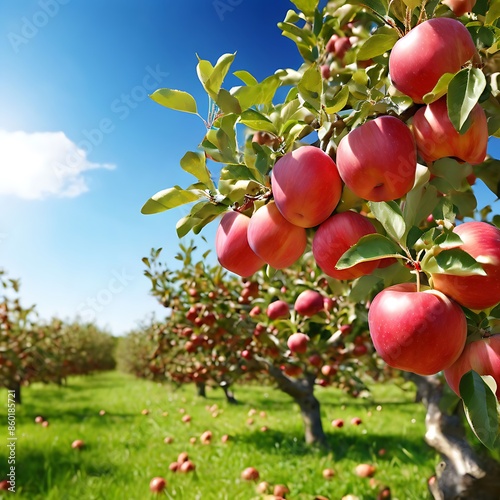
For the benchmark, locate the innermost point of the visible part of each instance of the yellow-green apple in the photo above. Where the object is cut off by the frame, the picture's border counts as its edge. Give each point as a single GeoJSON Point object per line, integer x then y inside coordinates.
{"type": "Point", "coordinates": [275, 240]}
{"type": "Point", "coordinates": [278, 309]}
{"type": "Point", "coordinates": [309, 302]}
{"type": "Point", "coordinates": [417, 331]}
{"type": "Point", "coordinates": [460, 7]}
{"type": "Point", "coordinates": [482, 241]}
{"type": "Point", "coordinates": [306, 186]}
{"type": "Point", "coordinates": [437, 138]}
{"type": "Point", "coordinates": [378, 160]}
{"type": "Point", "coordinates": [157, 484]}
{"type": "Point", "coordinates": [231, 245]}
{"type": "Point", "coordinates": [297, 343]}
{"type": "Point", "coordinates": [334, 237]}
{"type": "Point", "coordinates": [428, 51]}
{"type": "Point", "coordinates": [482, 356]}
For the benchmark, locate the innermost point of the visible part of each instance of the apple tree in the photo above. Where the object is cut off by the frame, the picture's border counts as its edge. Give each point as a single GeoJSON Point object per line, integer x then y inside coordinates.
{"type": "Point", "coordinates": [369, 156]}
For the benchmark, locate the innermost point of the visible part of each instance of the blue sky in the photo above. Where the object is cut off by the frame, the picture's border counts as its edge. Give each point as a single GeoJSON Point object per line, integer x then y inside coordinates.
{"type": "Point", "coordinates": [83, 147]}
{"type": "Point", "coordinates": [75, 76]}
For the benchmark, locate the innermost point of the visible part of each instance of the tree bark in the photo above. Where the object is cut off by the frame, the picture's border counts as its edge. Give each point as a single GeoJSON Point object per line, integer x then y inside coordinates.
{"type": "Point", "coordinates": [201, 389]}
{"type": "Point", "coordinates": [302, 392]}
{"type": "Point", "coordinates": [463, 473]}
{"type": "Point", "coordinates": [228, 393]}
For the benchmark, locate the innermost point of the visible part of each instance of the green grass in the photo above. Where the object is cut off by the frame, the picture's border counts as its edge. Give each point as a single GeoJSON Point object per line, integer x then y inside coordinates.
{"type": "Point", "coordinates": [125, 449]}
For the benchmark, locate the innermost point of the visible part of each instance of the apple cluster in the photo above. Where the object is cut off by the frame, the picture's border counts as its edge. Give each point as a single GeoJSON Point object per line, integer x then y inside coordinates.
{"type": "Point", "coordinates": [377, 161]}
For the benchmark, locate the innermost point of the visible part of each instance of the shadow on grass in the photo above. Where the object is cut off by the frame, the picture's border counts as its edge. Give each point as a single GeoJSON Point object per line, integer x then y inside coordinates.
{"type": "Point", "coordinates": [358, 447]}
{"type": "Point", "coordinates": [38, 470]}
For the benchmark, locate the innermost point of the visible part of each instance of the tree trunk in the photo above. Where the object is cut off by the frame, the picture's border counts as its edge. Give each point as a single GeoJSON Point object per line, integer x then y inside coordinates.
{"type": "Point", "coordinates": [463, 474]}
{"type": "Point", "coordinates": [16, 387]}
{"type": "Point", "coordinates": [302, 392]}
{"type": "Point", "coordinates": [201, 389]}
{"type": "Point", "coordinates": [229, 394]}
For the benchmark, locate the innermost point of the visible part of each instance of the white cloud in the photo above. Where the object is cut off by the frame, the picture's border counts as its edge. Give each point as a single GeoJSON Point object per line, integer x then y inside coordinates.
{"type": "Point", "coordinates": [42, 164]}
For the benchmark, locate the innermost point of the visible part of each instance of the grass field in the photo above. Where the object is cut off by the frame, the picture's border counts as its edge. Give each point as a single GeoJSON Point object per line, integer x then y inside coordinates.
{"type": "Point", "coordinates": [125, 449]}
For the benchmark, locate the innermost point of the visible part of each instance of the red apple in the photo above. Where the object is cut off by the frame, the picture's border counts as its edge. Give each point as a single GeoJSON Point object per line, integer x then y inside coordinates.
{"type": "Point", "coordinates": [263, 487]}
{"type": "Point", "coordinates": [315, 360]}
{"type": "Point", "coordinates": [328, 370]}
{"type": "Point", "coordinates": [246, 354]}
{"type": "Point", "coordinates": [341, 46]}
{"type": "Point", "coordinates": [431, 49]}
{"type": "Point", "coordinates": [187, 466]}
{"type": "Point", "coordinates": [330, 45]}
{"type": "Point", "coordinates": [278, 309]}
{"type": "Point", "coordinates": [378, 160]}
{"type": "Point", "coordinates": [78, 444]}
{"type": "Point", "coordinates": [309, 302]}
{"type": "Point", "coordinates": [4, 485]}
{"type": "Point", "coordinates": [280, 491]}
{"type": "Point", "coordinates": [422, 332]}
{"type": "Point", "coordinates": [206, 437]}
{"type": "Point", "coordinates": [437, 138]}
{"type": "Point", "coordinates": [338, 422]}
{"type": "Point", "coordinates": [38, 419]}
{"type": "Point", "coordinates": [168, 440]}
{"type": "Point", "coordinates": [182, 457]}
{"type": "Point", "coordinates": [328, 473]}
{"type": "Point", "coordinates": [334, 237]}
{"type": "Point", "coordinates": [325, 71]}
{"type": "Point", "coordinates": [157, 484]}
{"type": "Point", "coordinates": [460, 7]}
{"type": "Point", "coordinates": [297, 343]}
{"type": "Point", "coordinates": [356, 421]}
{"type": "Point", "coordinates": [482, 356]}
{"type": "Point", "coordinates": [365, 470]}
{"type": "Point", "coordinates": [482, 241]}
{"type": "Point", "coordinates": [231, 245]}
{"type": "Point", "coordinates": [250, 474]}
{"type": "Point", "coordinates": [275, 240]}
{"type": "Point", "coordinates": [174, 466]}
{"type": "Point", "coordinates": [306, 186]}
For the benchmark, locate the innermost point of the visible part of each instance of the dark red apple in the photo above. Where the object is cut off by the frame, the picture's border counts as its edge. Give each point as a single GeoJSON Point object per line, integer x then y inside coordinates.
{"type": "Point", "coordinates": [431, 49]}
{"type": "Point", "coordinates": [231, 245]}
{"type": "Point", "coordinates": [278, 309]}
{"type": "Point", "coordinates": [297, 343]}
{"type": "Point", "coordinates": [378, 160]}
{"type": "Point", "coordinates": [422, 332]}
{"type": "Point", "coordinates": [482, 241]}
{"type": "Point", "coordinates": [306, 186]}
{"type": "Point", "coordinates": [334, 237]}
{"type": "Point", "coordinates": [250, 474]}
{"type": "Point", "coordinates": [309, 302]}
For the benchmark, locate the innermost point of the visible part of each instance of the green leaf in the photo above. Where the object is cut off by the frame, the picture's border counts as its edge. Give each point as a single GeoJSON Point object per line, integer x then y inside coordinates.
{"type": "Point", "coordinates": [168, 199]}
{"type": "Point", "coordinates": [390, 216]}
{"type": "Point", "coordinates": [464, 91]}
{"type": "Point", "coordinates": [456, 261]}
{"type": "Point", "coordinates": [228, 103]}
{"type": "Point", "coordinates": [311, 87]}
{"type": "Point", "coordinates": [440, 89]}
{"type": "Point", "coordinates": [368, 248]}
{"type": "Point", "coordinates": [257, 121]}
{"type": "Point", "coordinates": [236, 181]}
{"type": "Point", "coordinates": [261, 93]}
{"type": "Point", "coordinates": [377, 45]}
{"type": "Point", "coordinates": [489, 173]}
{"type": "Point", "coordinates": [338, 102]}
{"type": "Point", "coordinates": [212, 77]}
{"type": "Point", "coordinates": [246, 77]}
{"type": "Point", "coordinates": [175, 99]}
{"type": "Point", "coordinates": [306, 6]}
{"type": "Point", "coordinates": [493, 12]}
{"type": "Point", "coordinates": [480, 406]}
{"type": "Point", "coordinates": [195, 163]}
